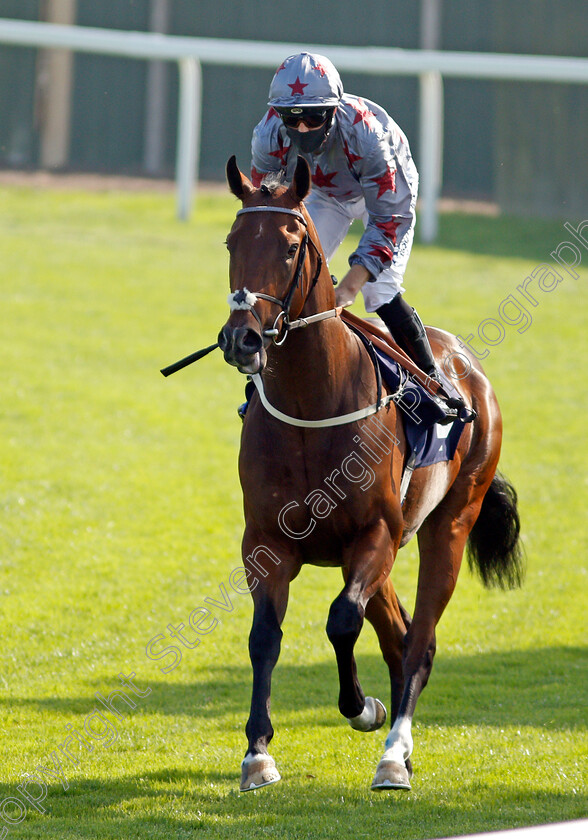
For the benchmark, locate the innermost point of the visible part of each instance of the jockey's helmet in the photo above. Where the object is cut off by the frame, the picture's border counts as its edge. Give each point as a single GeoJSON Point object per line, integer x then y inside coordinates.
{"type": "Point", "coordinates": [306, 88]}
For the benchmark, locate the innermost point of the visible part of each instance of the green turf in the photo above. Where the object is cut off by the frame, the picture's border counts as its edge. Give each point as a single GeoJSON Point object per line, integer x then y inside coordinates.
{"type": "Point", "coordinates": [122, 513]}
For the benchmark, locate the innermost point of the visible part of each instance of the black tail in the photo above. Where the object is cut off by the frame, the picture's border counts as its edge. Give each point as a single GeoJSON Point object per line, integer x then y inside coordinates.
{"type": "Point", "coordinates": [494, 548]}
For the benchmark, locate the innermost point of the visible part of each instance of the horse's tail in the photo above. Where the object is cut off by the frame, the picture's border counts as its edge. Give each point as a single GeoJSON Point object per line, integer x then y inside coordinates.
{"type": "Point", "coordinates": [494, 548]}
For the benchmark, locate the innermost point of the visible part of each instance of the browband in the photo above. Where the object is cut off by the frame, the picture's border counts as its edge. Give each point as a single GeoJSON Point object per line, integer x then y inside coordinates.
{"type": "Point", "coordinates": [298, 215]}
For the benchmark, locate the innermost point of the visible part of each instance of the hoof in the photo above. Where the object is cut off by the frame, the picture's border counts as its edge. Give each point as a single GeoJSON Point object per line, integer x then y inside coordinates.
{"type": "Point", "coordinates": [372, 717]}
{"type": "Point", "coordinates": [258, 771]}
{"type": "Point", "coordinates": [391, 776]}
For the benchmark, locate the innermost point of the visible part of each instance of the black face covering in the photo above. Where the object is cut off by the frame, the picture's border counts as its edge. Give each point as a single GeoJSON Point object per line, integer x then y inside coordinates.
{"type": "Point", "coordinates": [311, 141]}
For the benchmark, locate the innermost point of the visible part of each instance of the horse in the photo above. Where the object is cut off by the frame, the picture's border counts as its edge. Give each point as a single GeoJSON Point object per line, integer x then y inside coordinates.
{"type": "Point", "coordinates": [321, 464]}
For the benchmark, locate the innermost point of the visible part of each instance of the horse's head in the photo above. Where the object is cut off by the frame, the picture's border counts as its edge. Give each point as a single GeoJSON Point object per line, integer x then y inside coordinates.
{"type": "Point", "coordinates": [272, 270]}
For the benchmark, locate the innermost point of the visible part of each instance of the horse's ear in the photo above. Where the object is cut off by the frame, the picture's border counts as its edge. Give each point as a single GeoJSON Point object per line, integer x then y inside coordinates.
{"type": "Point", "coordinates": [300, 186]}
{"type": "Point", "coordinates": [238, 183]}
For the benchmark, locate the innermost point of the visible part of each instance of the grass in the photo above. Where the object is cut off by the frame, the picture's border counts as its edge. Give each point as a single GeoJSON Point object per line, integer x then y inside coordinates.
{"type": "Point", "coordinates": [122, 513]}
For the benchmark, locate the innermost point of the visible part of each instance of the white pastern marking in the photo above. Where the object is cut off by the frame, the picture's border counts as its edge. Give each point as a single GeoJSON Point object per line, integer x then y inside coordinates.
{"type": "Point", "coordinates": [399, 742]}
{"type": "Point", "coordinates": [252, 758]}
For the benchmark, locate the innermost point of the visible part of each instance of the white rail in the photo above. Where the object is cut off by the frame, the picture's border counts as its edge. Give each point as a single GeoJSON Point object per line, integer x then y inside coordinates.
{"type": "Point", "coordinates": [429, 65]}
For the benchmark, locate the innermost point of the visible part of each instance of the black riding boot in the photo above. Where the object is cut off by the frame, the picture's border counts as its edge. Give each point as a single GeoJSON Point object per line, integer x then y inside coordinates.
{"type": "Point", "coordinates": [408, 330]}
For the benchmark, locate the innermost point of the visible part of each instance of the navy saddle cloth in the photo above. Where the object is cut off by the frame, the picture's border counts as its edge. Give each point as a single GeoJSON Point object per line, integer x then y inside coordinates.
{"type": "Point", "coordinates": [428, 442]}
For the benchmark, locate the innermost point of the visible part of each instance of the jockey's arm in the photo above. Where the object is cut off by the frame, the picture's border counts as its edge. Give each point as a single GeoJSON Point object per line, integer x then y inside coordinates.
{"type": "Point", "coordinates": [350, 286]}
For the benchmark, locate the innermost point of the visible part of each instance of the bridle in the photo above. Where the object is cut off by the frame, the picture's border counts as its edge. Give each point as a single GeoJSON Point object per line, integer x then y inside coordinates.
{"type": "Point", "coordinates": [244, 299]}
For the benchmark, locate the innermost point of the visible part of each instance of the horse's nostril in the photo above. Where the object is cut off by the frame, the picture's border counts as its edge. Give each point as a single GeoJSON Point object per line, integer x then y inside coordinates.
{"type": "Point", "coordinates": [248, 341]}
{"type": "Point", "coordinates": [239, 344]}
{"type": "Point", "coordinates": [224, 338]}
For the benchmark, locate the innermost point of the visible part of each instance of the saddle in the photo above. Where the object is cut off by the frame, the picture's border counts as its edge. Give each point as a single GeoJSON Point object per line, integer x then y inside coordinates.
{"type": "Point", "coordinates": [430, 437]}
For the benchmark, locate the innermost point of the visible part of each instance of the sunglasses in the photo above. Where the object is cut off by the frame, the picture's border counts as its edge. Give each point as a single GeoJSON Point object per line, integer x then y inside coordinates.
{"type": "Point", "coordinates": [312, 118]}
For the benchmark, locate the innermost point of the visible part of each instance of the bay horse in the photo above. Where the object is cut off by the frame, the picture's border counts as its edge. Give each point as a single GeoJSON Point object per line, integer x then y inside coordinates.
{"type": "Point", "coordinates": [321, 483]}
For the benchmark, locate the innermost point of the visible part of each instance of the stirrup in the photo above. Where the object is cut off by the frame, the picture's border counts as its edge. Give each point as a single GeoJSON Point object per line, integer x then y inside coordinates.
{"type": "Point", "coordinates": [456, 406]}
{"type": "Point", "coordinates": [451, 414]}
{"type": "Point", "coordinates": [455, 410]}
{"type": "Point", "coordinates": [467, 414]}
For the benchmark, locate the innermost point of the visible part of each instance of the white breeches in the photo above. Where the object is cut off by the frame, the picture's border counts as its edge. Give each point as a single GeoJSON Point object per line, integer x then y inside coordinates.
{"type": "Point", "coordinates": [332, 220]}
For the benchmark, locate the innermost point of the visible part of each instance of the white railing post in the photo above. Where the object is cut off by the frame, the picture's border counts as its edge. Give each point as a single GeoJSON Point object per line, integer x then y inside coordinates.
{"type": "Point", "coordinates": [431, 152]}
{"type": "Point", "coordinates": [189, 109]}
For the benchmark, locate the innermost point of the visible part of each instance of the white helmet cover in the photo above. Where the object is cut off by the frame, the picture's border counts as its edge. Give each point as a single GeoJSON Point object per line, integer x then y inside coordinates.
{"type": "Point", "coordinates": [306, 80]}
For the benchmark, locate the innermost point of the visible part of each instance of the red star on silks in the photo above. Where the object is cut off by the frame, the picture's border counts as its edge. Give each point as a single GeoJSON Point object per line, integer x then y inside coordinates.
{"type": "Point", "coordinates": [257, 177]}
{"type": "Point", "coordinates": [389, 229]}
{"type": "Point", "coordinates": [363, 113]}
{"type": "Point", "coordinates": [271, 113]}
{"type": "Point", "coordinates": [386, 182]}
{"type": "Point", "coordinates": [282, 152]}
{"type": "Point", "coordinates": [281, 67]}
{"type": "Point", "coordinates": [322, 180]}
{"type": "Point", "coordinates": [383, 253]}
{"type": "Point", "coordinates": [320, 69]}
{"type": "Point", "coordinates": [349, 154]}
{"type": "Point", "coordinates": [297, 87]}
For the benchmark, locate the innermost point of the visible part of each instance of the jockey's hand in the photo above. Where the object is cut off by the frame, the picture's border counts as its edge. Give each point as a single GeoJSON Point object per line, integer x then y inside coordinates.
{"type": "Point", "coordinates": [351, 285]}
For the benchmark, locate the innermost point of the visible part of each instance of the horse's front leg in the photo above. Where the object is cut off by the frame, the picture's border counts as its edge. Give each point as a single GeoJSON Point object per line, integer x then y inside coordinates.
{"type": "Point", "coordinates": [366, 568]}
{"type": "Point", "coordinates": [269, 578]}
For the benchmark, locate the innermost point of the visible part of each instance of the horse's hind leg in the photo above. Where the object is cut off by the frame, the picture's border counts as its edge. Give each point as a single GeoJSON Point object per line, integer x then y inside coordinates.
{"type": "Point", "coordinates": [369, 564]}
{"type": "Point", "coordinates": [391, 622]}
{"type": "Point", "coordinates": [442, 540]}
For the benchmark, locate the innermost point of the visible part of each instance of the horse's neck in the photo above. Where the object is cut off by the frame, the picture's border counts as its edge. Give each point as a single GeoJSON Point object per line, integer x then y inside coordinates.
{"type": "Point", "coordinates": [316, 365]}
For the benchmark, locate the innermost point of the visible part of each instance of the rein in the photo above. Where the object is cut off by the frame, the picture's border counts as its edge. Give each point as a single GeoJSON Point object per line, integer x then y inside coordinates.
{"type": "Point", "coordinates": [244, 299]}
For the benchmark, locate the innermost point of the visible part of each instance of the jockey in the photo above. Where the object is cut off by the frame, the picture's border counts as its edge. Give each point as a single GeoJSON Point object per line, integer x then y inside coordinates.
{"type": "Point", "coordinates": [361, 168]}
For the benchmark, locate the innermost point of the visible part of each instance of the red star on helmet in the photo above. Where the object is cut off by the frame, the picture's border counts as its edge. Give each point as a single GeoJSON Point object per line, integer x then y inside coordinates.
{"type": "Point", "coordinates": [271, 113]}
{"type": "Point", "coordinates": [349, 154]}
{"type": "Point", "coordinates": [320, 69]}
{"type": "Point", "coordinates": [322, 180]}
{"type": "Point", "coordinates": [386, 182]}
{"type": "Point", "coordinates": [281, 67]}
{"type": "Point", "coordinates": [257, 177]}
{"type": "Point", "coordinates": [363, 113]}
{"type": "Point", "coordinates": [297, 87]}
{"type": "Point", "coordinates": [390, 227]}
{"type": "Point", "coordinates": [383, 253]}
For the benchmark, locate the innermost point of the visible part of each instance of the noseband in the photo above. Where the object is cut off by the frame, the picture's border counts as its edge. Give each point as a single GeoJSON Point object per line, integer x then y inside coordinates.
{"type": "Point", "coordinates": [244, 299]}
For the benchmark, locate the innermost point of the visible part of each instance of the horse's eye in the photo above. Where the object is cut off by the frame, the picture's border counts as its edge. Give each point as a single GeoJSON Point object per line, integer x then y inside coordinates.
{"type": "Point", "coordinates": [292, 250]}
